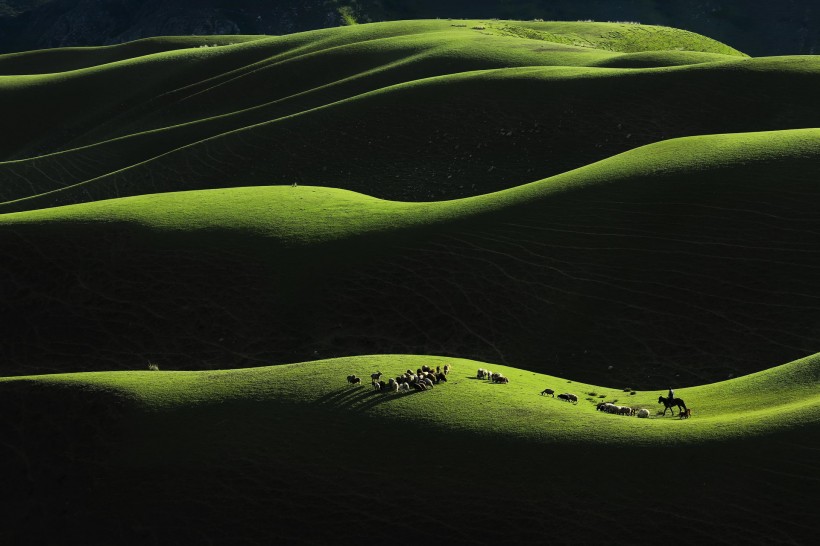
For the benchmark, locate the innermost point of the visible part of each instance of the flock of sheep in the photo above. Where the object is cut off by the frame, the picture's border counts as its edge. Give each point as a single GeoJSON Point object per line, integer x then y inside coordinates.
{"type": "Point", "coordinates": [494, 377]}
{"type": "Point", "coordinates": [423, 379]}
{"type": "Point", "coordinates": [607, 407]}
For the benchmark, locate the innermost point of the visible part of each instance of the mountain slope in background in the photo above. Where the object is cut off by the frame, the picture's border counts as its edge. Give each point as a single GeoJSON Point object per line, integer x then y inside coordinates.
{"type": "Point", "coordinates": [759, 27]}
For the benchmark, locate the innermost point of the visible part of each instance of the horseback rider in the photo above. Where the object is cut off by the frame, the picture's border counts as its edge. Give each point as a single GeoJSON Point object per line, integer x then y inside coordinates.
{"type": "Point", "coordinates": [671, 395]}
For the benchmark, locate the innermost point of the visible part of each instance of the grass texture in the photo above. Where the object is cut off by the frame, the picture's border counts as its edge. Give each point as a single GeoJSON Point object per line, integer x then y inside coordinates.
{"type": "Point", "coordinates": [201, 237]}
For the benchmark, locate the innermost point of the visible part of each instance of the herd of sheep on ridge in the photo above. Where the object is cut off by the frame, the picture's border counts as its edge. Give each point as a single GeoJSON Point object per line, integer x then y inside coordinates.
{"type": "Point", "coordinates": [425, 377]}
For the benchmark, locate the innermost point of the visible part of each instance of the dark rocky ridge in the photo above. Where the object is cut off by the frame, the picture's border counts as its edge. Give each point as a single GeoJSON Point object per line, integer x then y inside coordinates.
{"type": "Point", "coordinates": [757, 27]}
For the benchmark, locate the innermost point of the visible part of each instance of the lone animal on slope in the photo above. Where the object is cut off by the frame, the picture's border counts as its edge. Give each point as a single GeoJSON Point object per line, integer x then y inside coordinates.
{"type": "Point", "coordinates": [548, 392]}
{"type": "Point", "coordinates": [353, 380]}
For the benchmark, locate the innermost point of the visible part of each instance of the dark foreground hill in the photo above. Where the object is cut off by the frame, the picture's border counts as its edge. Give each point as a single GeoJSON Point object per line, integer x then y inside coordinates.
{"type": "Point", "coordinates": [294, 455]}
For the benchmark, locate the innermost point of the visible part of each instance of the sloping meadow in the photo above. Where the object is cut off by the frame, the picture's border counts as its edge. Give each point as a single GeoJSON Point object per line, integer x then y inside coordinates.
{"type": "Point", "coordinates": [604, 209]}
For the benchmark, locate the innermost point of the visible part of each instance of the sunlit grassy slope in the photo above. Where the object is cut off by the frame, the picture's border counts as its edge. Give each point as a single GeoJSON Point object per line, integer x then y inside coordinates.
{"type": "Point", "coordinates": [686, 261]}
{"type": "Point", "coordinates": [595, 208]}
{"type": "Point", "coordinates": [317, 107]}
{"type": "Point", "coordinates": [293, 453]}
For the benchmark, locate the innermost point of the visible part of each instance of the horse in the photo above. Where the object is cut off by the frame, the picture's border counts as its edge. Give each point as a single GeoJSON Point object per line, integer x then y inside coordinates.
{"type": "Point", "coordinates": [670, 402]}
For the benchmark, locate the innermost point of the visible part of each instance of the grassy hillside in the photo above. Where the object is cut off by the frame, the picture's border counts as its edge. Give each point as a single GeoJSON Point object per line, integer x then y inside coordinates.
{"type": "Point", "coordinates": [555, 120]}
{"type": "Point", "coordinates": [322, 461]}
{"type": "Point", "coordinates": [177, 98]}
{"type": "Point", "coordinates": [684, 261]}
{"type": "Point", "coordinates": [602, 209]}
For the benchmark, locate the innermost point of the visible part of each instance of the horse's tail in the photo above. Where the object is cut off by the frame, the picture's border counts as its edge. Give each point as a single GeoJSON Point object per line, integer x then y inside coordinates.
{"type": "Point", "coordinates": [682, 403]}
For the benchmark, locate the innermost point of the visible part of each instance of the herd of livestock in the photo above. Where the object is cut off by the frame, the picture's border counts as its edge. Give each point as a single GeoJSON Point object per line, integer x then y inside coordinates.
{"type": "Point", "coordinates": [425, 378]}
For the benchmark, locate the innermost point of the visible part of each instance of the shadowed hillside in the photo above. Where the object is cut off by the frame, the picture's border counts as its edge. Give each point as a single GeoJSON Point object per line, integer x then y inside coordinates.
{"type": "Point", "coordinates": [689, 260]}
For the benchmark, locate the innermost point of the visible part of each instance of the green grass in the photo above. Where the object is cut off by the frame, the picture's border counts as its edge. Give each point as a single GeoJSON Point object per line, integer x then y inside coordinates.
{"type": "Point", "coordinates": [159, 83]}
{"type": "Point", "coordinates": [553, 119]}
{"type": "Point", "coordinates": [293, 452]}
{"type": "Point", "coordinates": [602, 209]}
{"type": "Point", "coordinates": [646, 262]}
{"type": "Point", "coordinates": [776, 399]}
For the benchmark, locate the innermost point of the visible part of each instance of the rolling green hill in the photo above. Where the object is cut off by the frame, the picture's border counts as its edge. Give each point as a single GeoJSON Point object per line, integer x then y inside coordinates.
{"type": "Point", "coordinates": [487, 111]}
{"type": "Point", "coordinates": [290, 453]}
{"type": "Point", "coordinates": [680, 261]}
{"type": "Point", "coordinates": [295, 97]}
{"type": "Point", "coordinates": [602, 209]}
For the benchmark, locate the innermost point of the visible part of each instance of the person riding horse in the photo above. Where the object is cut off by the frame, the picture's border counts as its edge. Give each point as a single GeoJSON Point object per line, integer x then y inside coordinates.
{"type": "Point", "coordinates": [671, 401]}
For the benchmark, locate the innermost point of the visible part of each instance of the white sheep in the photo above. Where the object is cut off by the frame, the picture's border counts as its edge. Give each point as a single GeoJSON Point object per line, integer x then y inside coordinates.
{"type": "Point", "coordinates": [643, 413]}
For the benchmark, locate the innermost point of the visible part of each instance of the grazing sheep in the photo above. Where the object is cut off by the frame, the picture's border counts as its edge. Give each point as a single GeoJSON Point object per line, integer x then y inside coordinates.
{"type": "Point", "coordinates": [572, 398]}
{"type": "Point", "coordinates": [563, 397]}
{"type": "Point", "coordinates": [625, 410]}
{"type": "Point", "coordinates": [548, 392]}
{"type": "Point", "coordinates": [446, 369]}
{"type": "Point", "coordinates": [376, 386]}
{"type": "Point", "coordinates": [404, 387]}
{"type": "Point", "coordinates": [498, 378]}
{"type": "Point", "coordinates": [643, 413]}
{"type": "Point", "coordinates": [394, 387]}
{"type": "Point", "coordinates": [441, 377]}
{"type": "Point", "coordinates": [353, 380]}
{"type": "Point", "coordinates": [375, 376]}
{"type": "Point", "coordinates": [428, 382]}
{"type": "Point", "coordinates": [419, 386]}
{"type": "Point", "coordinates": [425, 368]}
{"type": "Point", "coordinates": [603, 406]}
{"type": "Point", "coordinates": [612, 408]}
{"type": "Point", "coordinates": [481, 373]}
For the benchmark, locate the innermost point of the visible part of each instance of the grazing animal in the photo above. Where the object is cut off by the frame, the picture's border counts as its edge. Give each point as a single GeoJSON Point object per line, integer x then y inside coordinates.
{"type": "Point", "coordinates": [446, 369]}
{"type": "Point", "coordinates": [481, 373]}
{"type": "Point", "coordinates": [686, 414]}
{"type": "Point", "coordinates": [500, 379]}
{"type": "Point", "coordinates": [441, 377]}
{"type": "Point", "coordinates": [563, 397]}
{"type": "Point", "coordinates": [548, 392]}
{"type": "Point", "coordinates": [625, 410]}
{"type": "Point", "coordinates": [376, 386]}
{"type": "Point", "coordinates": [571, 398]}
{"type": "Point", "coordinates": [643, 413]}
{"type": "Point", "coordinates": [419, 386]}
{"type": "Point", "coordinates": [353, 380]}
{"type": "Point", "coordinates": [394, 387]}
{"type": "Point", "coordinates": [612, 408]}
{"type": "Point", "coordinates": [428, 382]}
{"type": "Point", "coordinates": [375, 376]}
{"type": "Point", "coordinates": [668, 404]}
